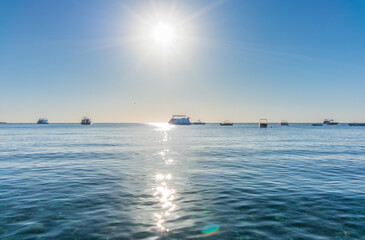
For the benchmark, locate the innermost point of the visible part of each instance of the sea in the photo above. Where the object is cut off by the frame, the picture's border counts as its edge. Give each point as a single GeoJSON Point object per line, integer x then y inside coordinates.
{"type": "Point", "coordinates": [156, 181]}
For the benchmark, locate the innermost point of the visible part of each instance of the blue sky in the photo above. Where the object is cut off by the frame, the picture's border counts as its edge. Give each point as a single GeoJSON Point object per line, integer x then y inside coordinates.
{"type": "Point", "coordinates": [302, 61]}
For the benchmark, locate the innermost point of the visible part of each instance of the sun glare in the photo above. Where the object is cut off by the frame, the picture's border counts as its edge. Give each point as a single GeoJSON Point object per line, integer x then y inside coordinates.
{"type": "Point", "coordinates": [163, 34]}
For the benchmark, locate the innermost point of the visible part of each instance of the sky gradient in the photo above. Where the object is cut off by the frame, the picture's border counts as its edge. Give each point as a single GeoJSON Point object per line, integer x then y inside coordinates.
{"type": "Point", "coordinates": [301, 61]}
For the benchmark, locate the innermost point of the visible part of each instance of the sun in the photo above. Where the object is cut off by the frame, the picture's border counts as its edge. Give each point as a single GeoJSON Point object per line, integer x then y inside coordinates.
{"type": "Point", "coordinates": [163, 34]}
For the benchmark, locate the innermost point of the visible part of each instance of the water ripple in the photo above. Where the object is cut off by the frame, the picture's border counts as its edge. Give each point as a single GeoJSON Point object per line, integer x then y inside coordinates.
{"type": "Point", "coordinates": [143, 181]}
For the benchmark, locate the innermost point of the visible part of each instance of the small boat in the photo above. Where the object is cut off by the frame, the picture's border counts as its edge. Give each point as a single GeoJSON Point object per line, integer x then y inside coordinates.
{"type": "Point", "coordinates": [226, 123]}
{"type": "Point", "coordinates": [180, 120]}
{"type": "Point", "coordinates": [263, 123]}
{"type": "Point", "coordinates": [356, 124]}
{"type": "Point", "coordinates": [198, 123]}
{"type": "Point", "coordinates": [284, 123]}
{"type": "Point", "coordinates": [317, 124]}
{"type": "Point", "coordinates": [329, 122]}
{"type": "Point", "coordinates": [86, 121]}
{"type": "Point", "coordinates": [42, 121]}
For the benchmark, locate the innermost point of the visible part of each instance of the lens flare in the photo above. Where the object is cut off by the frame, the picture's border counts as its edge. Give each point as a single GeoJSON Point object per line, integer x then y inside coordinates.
{"type": "Point", "coordinates": [210, 229]}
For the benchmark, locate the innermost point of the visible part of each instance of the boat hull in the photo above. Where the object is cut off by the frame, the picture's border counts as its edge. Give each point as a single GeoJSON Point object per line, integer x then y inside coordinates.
{"type": "Point", "coordinates": [356, 124]}
{"type": "Point", "coordinates": [263, 125]}
{"type": "Point", "coordinates": [226, 124]}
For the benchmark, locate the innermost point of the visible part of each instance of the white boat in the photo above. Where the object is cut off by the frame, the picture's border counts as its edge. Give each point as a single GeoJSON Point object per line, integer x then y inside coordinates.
{"type": "Point", "coordinates": [180, 120]}
{"type": "Point", "coordinates": [86, 121]}
{"type": "Point", "coordinates": [42, 121]}
{"type": "Point", "coordinates": [226, 123]}
{"type": "Point", "coordinates": [263, 123]}
{"type": "Point", "coordinates": [284, 123]}
{"type": "Point", "coordinates": [329, 122]}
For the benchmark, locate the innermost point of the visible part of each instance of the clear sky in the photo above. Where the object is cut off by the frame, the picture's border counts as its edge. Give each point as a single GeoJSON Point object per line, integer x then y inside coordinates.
{"type": "Point", "coordinates": [241, 60]}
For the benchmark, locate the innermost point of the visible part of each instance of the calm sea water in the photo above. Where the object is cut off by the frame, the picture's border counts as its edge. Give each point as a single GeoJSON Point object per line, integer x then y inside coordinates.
{"type": "Point", "coordinates": [152, 181]}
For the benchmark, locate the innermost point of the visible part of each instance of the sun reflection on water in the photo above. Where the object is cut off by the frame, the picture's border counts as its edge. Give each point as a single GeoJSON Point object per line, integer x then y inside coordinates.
{"type": "Point", "coordinates": [163, 128]}
{"type": "Point", "coordinates": [165, 194]}
{"type": "Point", "coordinates": [167, 160]}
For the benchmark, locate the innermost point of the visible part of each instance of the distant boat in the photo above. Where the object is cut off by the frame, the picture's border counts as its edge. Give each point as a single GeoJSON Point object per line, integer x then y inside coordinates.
{"type": "Point", "coordinates": [86, 121]}
{"type": "Point", "coordinates": [180, 120]}
{"type": "Point", "coordinates": [329, 122]}
{"type": "Point", "coordinates": [284, 123]}
{"type": "Point", "coordinates": [317, 124]}
{"type": "Point", "coordinates": [263, 123]}
{"type": "Point", "coordinates": [198, 123]}
{"type": "Point", "coordinates": [42, 121]}
{"type": "Point", "coordinates": [226, 123]}
{"type": "Point", "coordinates": [357, 124]}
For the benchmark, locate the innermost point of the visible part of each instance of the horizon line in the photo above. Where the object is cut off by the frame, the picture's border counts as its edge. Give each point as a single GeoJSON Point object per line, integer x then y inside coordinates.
{"type": "Point", "coordinates": [144, 122]}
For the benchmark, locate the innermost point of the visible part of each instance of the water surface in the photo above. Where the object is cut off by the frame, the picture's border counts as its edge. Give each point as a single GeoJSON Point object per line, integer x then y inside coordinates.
{"type": "Point", "coordinates": [153, 181]}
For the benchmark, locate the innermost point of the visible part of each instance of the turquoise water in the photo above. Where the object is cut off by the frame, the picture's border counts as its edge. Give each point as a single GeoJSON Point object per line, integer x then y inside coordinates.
{"type": "Point", "coordinates": [142, 181]}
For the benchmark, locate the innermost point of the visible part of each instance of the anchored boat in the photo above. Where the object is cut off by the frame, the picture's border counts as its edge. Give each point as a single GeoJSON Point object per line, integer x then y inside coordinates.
{"type": "Point", "coordinates": [356, 124]}
{"type": "Point", "coordinates": [226, 123]}
{"type": "Point", "coordinates": [263, 123]}
{"type": "Point", "coordinates": [284, 123]}
{"type": "Point", "coordinates": [86, 121]}
{"type": "Point", "coordinates": [180, 120]}
{"type": "Point", "coordinates": [42, 121]}
{"type": "Point", "coordinates": [199, 123]}
{"type": "Point", "coordinates": [329, 122]}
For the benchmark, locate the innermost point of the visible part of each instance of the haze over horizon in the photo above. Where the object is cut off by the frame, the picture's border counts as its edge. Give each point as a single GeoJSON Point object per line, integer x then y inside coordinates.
{"type": "Point", "coordinates": [128, 61]}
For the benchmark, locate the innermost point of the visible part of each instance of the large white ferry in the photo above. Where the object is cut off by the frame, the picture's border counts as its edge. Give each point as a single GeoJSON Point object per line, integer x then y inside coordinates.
{"type": "Point", "coordinates": [180, 120]}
